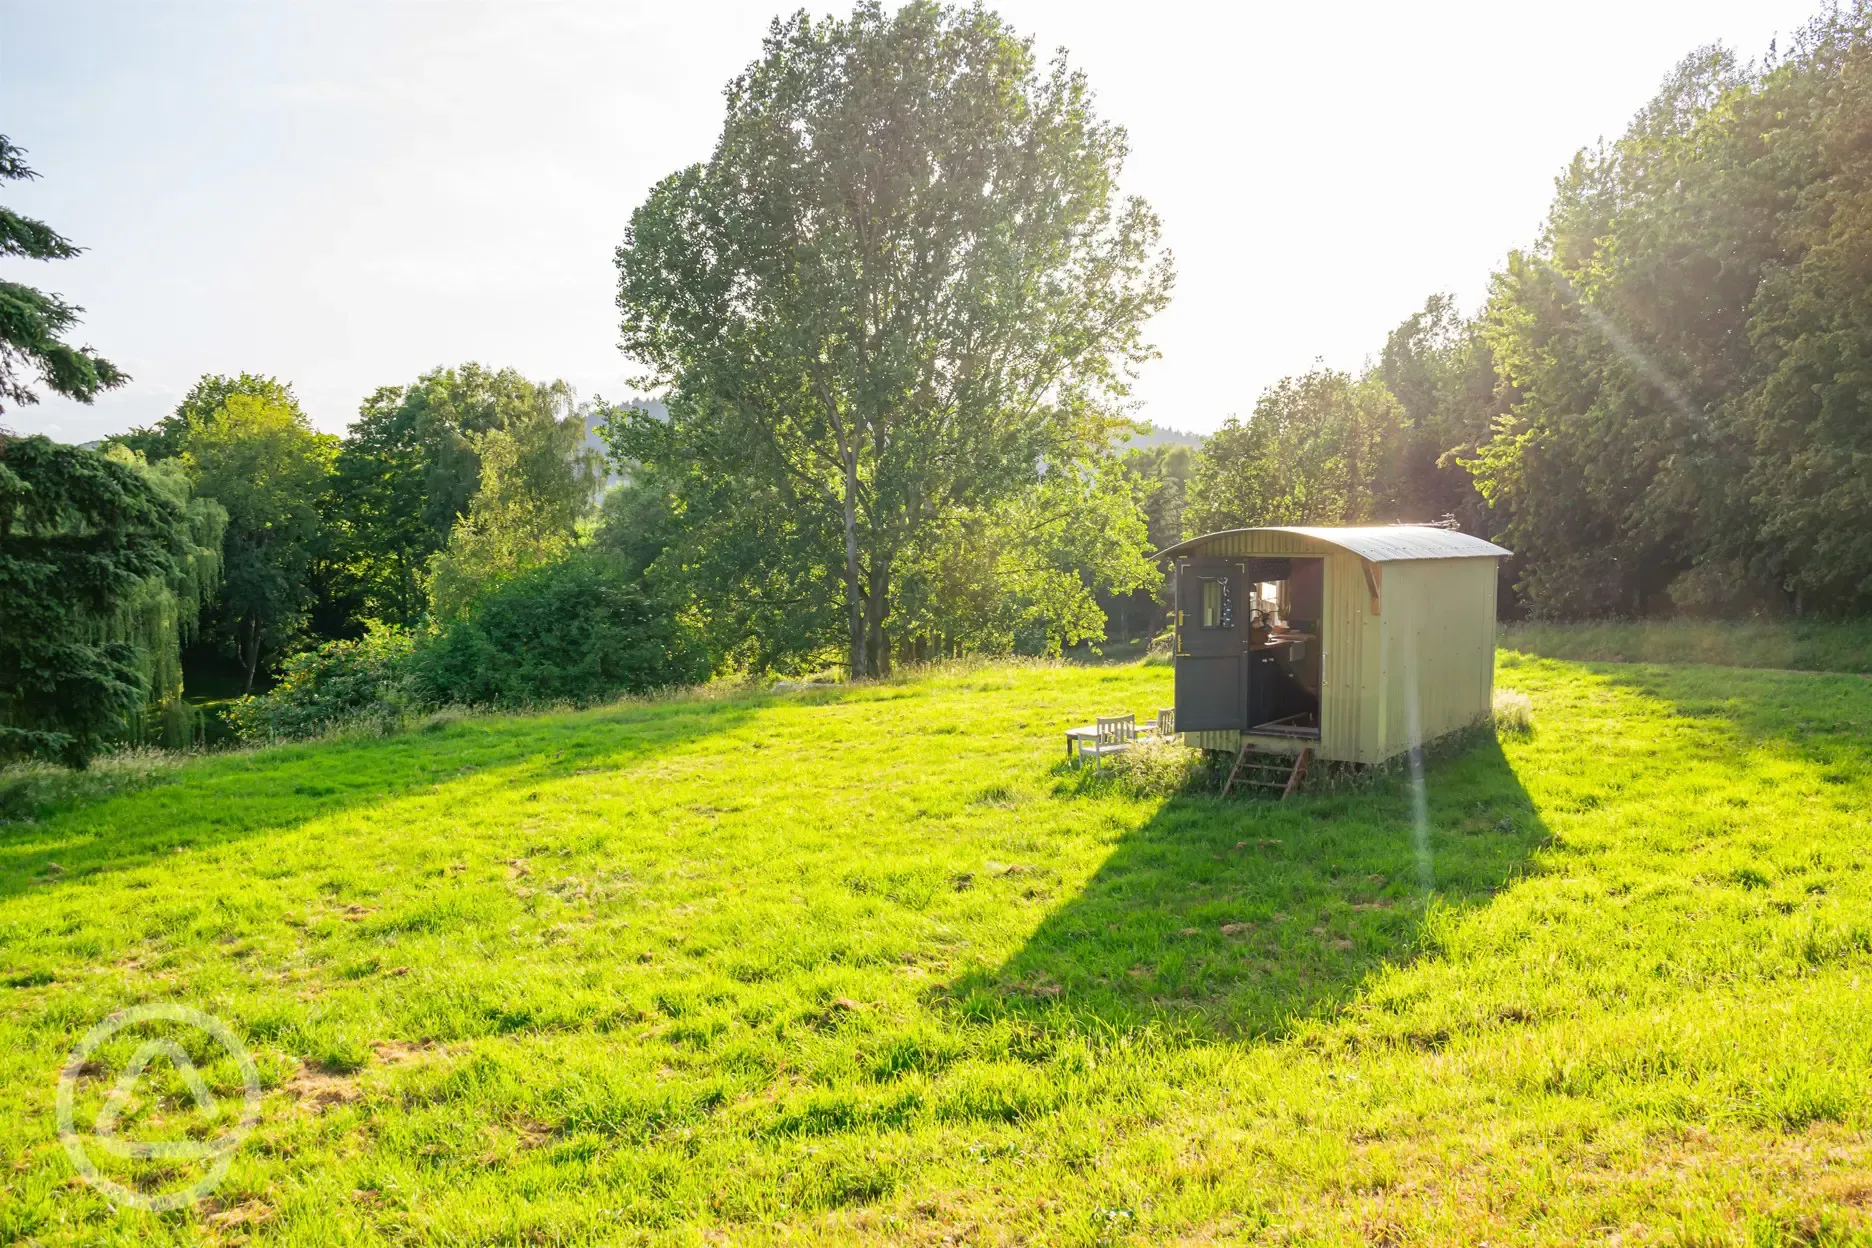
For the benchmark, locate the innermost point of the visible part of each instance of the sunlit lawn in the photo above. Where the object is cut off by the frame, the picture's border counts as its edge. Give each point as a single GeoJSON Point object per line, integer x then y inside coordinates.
{"type": "Point", "coordinates": [872, 964]}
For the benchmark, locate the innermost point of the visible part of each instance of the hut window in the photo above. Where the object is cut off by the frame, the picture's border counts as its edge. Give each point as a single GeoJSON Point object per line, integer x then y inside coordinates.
{"type": "Point", "coordinates": [1218, 605]}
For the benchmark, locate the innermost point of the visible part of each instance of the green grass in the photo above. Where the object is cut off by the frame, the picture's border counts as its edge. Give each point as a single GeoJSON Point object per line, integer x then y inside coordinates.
{"type": "Point", "coordinates": [869, 964]}
{"type": "Point", "coordinates": [1802, 645]}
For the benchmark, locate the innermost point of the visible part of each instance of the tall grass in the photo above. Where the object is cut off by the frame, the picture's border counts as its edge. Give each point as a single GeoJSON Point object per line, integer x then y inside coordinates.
{"type": "Point", "coordinates": [1802, 645]}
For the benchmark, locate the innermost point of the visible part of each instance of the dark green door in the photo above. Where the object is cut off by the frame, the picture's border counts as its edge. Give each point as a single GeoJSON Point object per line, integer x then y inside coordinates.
{"type": "Point", "coordinates": [1212, 645]}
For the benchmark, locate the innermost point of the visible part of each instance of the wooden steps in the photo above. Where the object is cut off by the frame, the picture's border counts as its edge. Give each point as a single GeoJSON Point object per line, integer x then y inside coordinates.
{"type": "Point", "coordinates": [1268, 771]}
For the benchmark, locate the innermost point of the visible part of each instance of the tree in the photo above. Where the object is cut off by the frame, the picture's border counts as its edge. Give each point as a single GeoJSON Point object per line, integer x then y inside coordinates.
{"type": "Point", "coordinates": [95, 558]}
{"type": "Point", "coordinates": [1442, 373]}
{"type": "Point", "coordinates": [168, 609]}
{"type": "Point", "coordinates": [1630, 472]}
{"type": "Point", "coordinates": [405, 475]}
{"type": "Point", "coordinates": [1027, 575]}
{"type": "Point", "coordinates": [1804, 423]}
{"type": "Point", "coordinates": [902, 284]}
{"type": "Point", "coordinates": [163, 440]}
{"type": "Point", "coordinates": [33, 324]}
{"type": "Point", "coordinates": [1162, 475]}
{"type": "Point", "coordinates": [1314, 451]}
{"type": "Point", "coordinates": [538, 481]}
{"type": "Point", "coordinates": [265, 464]}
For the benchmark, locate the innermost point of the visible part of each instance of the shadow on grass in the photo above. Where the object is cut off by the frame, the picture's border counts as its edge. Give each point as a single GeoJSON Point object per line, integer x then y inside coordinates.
{"type": "Point", "coordinates": [1235, 918]}
{"type": "Point", "coordinates": [216, 800]}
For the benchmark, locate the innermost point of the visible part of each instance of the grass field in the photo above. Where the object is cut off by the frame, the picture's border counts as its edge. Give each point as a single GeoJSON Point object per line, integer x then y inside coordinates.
{"type": "Point", "coordinates": [871, 964]}
{"type": "Point", "coordinates": [1802, 645]}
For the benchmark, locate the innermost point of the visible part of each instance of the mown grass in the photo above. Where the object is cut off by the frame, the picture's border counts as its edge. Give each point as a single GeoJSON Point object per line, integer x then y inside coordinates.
{"type": "Point", "coordinates": [870, 964]}
{"type": "Point", "coordinates": [1801, 645]}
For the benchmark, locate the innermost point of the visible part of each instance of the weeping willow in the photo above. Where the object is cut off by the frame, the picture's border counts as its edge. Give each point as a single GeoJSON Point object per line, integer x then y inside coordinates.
{"type": "Point", "coordinates": [160, 616]}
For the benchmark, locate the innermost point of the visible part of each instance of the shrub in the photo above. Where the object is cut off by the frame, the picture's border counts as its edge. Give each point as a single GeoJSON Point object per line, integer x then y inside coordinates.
{"type": "Point", "coordinates": [366, 682]}
{"type": "Point", "coordinates": [1513, 713]}
{"type": "Point", "coordinates": [573, 631]}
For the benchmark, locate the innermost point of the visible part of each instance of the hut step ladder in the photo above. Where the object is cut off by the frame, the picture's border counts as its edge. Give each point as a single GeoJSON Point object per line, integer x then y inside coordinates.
{"type": "Point", "coordinates": [1269, 772]}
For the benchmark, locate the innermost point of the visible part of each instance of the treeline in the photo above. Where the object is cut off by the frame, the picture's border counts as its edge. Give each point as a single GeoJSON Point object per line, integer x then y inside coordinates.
{"type": "Point", "coordinates": [1661, 407]}
{"type": "Point", "coordinates": [446, 550]}
{"type": "Point", "coordinates": [894, 316]}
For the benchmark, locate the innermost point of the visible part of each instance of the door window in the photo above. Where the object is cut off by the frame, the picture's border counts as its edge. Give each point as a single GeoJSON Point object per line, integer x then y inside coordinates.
{"type": "Point", "coordinates": [1218, 603]}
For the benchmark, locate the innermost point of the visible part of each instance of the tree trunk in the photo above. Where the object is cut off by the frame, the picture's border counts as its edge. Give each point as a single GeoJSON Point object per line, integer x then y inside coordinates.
{"type": "Point", "coordinates": [855, 606]}
{"type": "Point", "coordinates": [1353, 485]}
{"type": "Point", "coordinates": [877, 642]}
{"type": "Point", "coordinates": [253, 651]}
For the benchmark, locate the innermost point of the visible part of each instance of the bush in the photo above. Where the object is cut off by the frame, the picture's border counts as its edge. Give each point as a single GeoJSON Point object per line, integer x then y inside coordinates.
{"type": "Point", "coordinates": [574, 631]}
{"type": "Point", "coordinates": [365, 682]}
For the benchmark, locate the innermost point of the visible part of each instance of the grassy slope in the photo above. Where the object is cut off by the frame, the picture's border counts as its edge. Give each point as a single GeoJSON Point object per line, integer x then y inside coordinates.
{"type": "Point", "coordinates": [870, 964]}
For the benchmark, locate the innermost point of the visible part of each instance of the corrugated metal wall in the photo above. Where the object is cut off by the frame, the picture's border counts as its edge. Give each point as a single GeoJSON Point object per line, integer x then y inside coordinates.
{"type": "Point", "coordinates": [1439, 632]}
{"type": "Point", "coordinates": [1423, 667]}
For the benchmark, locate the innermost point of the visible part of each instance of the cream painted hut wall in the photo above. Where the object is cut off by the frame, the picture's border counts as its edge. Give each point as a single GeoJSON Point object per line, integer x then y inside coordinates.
{"type": "Point", "coordinates": [1435, 637]}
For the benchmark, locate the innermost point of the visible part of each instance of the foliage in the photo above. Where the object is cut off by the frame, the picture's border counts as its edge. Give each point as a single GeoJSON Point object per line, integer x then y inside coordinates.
{"type": "Point", "coordinates": [1314, 452]}
{"type": "Point", "coordinates": [169, 609]}
{"type": "Point", "coordinates": [575, 630]}
{"type": "Point", "coordinates": [1159, 767]}
{"type": "Point", "coordinates": [33, 324]}
{"type": "Point", "coordinates": [1687, 347]}
{"type": "Point", "coordinates": [94, 557]}
{"type": "Point", "coordinates": [537, 481]}
{"type": "Point", "coordinates": [405, 475]}
{"type": "Point", "coordinates": [1660, 408]}
{"type": "Point", "coordinates": [1441, 371]}
{"type": "Point", "coordinates": [902, 282]}
{"type": "Point", "coordinates": [210, 393]}
{"type": "Point", "coordinates": [263, 462]}
{"type": "Point", "coordinates": [1163, 474]}
{"type": "Point", "coordinates": [817, 965]}
{"type": "Point", "coordinates": [1025, 577]}
{"type": "Point", "coordinates": [362, 682]}
{"type": "Point", "coordinates": [34, 789]}
{"type": "Point", "coordinates": [738, 558]}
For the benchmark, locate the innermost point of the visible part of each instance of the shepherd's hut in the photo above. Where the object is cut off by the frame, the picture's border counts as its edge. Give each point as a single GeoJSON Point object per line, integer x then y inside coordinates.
{"type": "Point", "coordinates": [1352, 644]}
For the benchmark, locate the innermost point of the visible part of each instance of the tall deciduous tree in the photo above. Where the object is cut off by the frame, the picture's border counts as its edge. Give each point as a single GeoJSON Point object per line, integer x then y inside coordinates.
{"type": "Point", "coordinates": [210, 393]}
{"type": "Point", "coordinates": [1314, 451]}
{"type": "Point", "coordinates": [903, 284]}
{"type": "Point", "coordinates": [33, 324]}
{"type": "Point", "coordinates": [1443, 375]}
{"type": "Point", "coordinates": [268, 467]}
{"type": "Point", "coordinates": [537, 482]}
{"type": "Point", "coordinates": [406, 473]}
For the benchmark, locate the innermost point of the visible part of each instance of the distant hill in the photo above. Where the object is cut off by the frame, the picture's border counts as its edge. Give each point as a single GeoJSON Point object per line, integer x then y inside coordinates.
{"type": "Point", "coordinates": [593, 442]}
{"type": "Point", "coordinates": [1159, 435]}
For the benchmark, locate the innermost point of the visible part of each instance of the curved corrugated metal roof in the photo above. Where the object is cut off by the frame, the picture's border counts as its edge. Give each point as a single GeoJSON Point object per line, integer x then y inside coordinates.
{"type": "Point", "coordinates": [1380, 543]}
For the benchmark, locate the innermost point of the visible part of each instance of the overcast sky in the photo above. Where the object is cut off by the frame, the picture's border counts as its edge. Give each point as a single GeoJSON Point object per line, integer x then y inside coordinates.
{"type": "Point", "coordinates": [346, 194]}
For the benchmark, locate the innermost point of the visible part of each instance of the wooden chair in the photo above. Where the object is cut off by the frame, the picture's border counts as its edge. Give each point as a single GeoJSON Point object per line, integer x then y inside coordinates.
{"type": "Point", "coordinates": [1116, 734]}
{"type": "Point", "coordinates": [1166, 722]}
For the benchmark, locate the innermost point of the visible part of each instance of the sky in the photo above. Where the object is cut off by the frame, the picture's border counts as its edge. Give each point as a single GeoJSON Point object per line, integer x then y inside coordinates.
{"type": "Point", "coordinates": [345, 195]}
